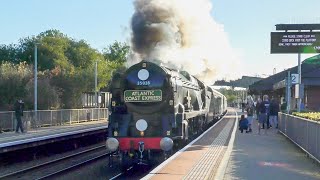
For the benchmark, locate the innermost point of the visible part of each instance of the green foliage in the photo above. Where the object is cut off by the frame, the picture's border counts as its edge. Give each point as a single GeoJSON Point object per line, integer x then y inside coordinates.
{"type": "Point", "coordinates": [65, 69]}
{"type": "Point", "coordinates": [230, 94]}
{"type": "Point", "coordinates": [13, 79]}
{"type": "Point", "coordinates": [16, 81]}
{"type": "Point", "coordinates": [48, 95]}
{"type": "Point", "coordinates": [116, 56]}
{"type": "Point", "coordinates": [8, 53]}
{"type": "Point", "coordinates": [231, 98]}
{"type": "Point", "coordinates": [117, 52]}
{"type": "Point", "coordinates": [81, 54]}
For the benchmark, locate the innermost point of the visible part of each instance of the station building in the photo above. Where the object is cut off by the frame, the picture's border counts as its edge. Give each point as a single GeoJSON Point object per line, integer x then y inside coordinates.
{"type": "Point", "coordinates": [275, 85]}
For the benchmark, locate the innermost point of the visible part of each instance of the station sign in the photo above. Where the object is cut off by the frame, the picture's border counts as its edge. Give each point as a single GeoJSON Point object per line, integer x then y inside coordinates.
{"type": "Point", "coordinates": [142, 95]}
{"type": "Point", "coordinates": [295, 42]}
{"type": "Point", "coordinates": [294, 78]}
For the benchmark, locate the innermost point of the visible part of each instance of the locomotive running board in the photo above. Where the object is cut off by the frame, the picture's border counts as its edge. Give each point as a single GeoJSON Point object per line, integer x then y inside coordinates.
{"type": "Point", "coordinates": [193, 114]}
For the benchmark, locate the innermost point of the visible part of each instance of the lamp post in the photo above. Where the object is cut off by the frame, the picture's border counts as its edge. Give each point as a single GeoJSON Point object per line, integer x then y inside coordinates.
{"type": "Point", "coordinates": [299, 83]}
{"type": "Point", "coordinates": [96, 83]}
{"type": "Point", "coordinates": [36, 81]}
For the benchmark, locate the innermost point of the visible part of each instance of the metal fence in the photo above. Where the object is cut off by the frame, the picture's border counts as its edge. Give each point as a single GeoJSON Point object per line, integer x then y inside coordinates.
{"type": "Point", "coordinates": [52, 117]}
{"type": "Point", "coordinates": [303, 132]}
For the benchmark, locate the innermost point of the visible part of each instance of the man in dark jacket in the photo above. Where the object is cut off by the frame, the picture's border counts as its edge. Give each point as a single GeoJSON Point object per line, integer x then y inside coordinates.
{"type": "Point", "coordinates": [18, 108]}
{"type": "Point", "coordinates": [273, 117]}
{"type": "Point", "coordinates": [264, 111]}
{"type": "Point", "coordinates": [258, 108]}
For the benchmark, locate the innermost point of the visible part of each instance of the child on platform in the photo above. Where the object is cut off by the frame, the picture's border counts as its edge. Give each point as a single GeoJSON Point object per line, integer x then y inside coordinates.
{"type": "Point", "coordinates": [243, 124]}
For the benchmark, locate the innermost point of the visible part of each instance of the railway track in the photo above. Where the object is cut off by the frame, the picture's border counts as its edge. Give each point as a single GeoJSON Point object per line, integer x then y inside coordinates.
{"type": "Point", "coordinates": [61, 165]}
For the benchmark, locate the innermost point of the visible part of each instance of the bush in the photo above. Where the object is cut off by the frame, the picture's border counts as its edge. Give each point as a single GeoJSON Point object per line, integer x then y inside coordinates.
{"type": "Point", "coordinates": [310, 115]}
{"type": "Point", "coordinates": [17, 82]}
{"type": "Point", "coordinates": [13, 80]}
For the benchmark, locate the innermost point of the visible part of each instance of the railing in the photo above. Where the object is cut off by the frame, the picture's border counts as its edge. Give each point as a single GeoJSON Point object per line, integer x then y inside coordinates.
{"type": "Point", "coordinates": [52, 117]}
{"type": "Point", "coordinates": [303, 132]}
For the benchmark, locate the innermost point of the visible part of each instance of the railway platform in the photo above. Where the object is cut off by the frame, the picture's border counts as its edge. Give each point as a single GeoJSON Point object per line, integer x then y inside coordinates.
{"type": "Point", "coordinates": [11, 141]}
{"type": "Point", "coordinates": [228, 154]}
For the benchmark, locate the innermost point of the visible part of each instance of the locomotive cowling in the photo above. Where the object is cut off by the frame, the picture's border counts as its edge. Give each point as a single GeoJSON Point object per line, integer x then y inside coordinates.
{"type": "Point", "coordinates": [153, 105]}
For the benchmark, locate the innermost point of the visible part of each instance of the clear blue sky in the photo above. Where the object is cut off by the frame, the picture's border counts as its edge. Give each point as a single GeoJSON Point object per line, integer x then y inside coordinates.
{"type": "Point", "coordinates": [248, 24]}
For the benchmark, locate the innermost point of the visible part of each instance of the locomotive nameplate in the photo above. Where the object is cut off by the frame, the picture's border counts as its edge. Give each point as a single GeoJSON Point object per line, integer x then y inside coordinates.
{"type": "Point", "coordinates": [142, 95]}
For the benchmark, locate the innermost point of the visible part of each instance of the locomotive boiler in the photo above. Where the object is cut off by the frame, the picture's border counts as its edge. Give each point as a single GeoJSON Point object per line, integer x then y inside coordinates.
{"type": "Point", "coordinates": [153, 107]}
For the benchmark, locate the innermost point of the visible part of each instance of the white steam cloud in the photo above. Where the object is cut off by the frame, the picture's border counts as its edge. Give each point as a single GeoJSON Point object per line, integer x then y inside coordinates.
{"type": "Point", "coordinates": [183, 34]}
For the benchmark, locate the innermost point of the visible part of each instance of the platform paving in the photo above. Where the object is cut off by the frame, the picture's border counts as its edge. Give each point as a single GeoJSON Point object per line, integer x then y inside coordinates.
{"type": "Point", "coordinates": [268, 156]}
{"type": "Point", "coordinates": [200, 159]}
{"type": "Point", "coordinates": [12, 137]}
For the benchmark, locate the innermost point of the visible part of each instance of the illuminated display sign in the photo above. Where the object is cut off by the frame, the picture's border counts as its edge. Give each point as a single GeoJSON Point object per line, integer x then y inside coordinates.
{"type": "Point", "coordinates": [142, 95]}
{"type": "Point", "coordinates": [295, 42]}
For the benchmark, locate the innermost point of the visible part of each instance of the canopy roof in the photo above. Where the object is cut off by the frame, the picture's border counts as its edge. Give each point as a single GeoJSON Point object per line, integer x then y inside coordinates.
{"type": "Point", "coordinates": [310, 70]}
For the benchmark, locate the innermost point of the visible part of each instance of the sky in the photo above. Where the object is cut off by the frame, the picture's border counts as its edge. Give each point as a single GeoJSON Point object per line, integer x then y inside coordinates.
{"type": "Point", "coordinates": [247, 24]}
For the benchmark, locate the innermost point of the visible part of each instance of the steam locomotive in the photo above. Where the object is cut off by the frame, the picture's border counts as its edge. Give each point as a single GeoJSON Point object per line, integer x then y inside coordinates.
{"type": "Point", "coordinates": [153, 107]}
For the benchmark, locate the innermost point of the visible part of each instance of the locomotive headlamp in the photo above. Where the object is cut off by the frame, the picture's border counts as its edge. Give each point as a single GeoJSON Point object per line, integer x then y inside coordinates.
{"type": "Point", "coordinates": [141, 133]}
{"type": "Point", "coordinates": [141, 125]}
{"type": "Point", "coordinates": [143, 74]}
{"type": "Point", "coordinates": [166, 144]}
{"type": "Point", "coordinates": [113, 103]}
{"type": "Point", "coordinates": [112, 144]}
{"type": "Point", "coordinates": [171, 102]}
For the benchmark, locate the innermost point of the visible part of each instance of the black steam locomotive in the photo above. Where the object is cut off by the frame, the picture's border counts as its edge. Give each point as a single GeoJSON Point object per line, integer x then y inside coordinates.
{"type": "Point", "coordinates": [153, 107]}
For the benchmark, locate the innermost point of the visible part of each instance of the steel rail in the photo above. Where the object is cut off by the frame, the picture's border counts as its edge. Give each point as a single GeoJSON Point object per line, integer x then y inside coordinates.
{"type": "Point", "coordinates": [51, 162]}
{"type": "Point", "coordinates": [74, 166]}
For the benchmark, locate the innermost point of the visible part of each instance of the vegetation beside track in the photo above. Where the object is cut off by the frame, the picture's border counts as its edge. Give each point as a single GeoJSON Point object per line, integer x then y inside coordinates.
{"type": "Point", "coordinates": [308, 115]}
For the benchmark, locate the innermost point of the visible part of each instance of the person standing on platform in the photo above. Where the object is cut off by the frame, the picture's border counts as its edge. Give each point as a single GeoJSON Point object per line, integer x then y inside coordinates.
{"type": "Point", "coordinates": [263, 110]}
{"type": "Point", "coordinates": [243, 106]}
{"type": "Point", "coordinates": [18, 108]}
{"type": "Point", "coordinates": [250, 112]}
{"type": "Point", "coordinates": [274, 109]}
{"type": "Point", "coordinates": [258, 108]}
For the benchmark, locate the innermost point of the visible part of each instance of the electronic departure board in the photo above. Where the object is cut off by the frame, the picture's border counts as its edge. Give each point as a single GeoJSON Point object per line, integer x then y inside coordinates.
{"type": "Point", "coordinates": [295, 42]}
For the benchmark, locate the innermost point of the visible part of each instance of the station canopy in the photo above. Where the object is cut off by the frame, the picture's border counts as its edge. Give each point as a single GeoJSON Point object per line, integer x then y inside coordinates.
{"type": "Point", "coordinates": [310, 70]}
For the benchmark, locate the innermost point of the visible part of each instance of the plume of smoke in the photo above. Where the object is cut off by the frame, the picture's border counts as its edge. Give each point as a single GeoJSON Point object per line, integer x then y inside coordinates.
{"type": "Point", "coordinates": [182, 33]}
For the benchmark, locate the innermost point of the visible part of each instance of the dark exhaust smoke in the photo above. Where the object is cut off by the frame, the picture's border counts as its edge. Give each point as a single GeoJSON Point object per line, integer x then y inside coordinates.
{"type": "Point", "coordinates": [181, 33]}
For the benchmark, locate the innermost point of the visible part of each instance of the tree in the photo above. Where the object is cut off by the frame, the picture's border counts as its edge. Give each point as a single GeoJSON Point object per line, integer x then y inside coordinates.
{"type": "Point", "coordinates": [65, 69]}
{"type": "Point", "coordinates": [8, 53]}
{"type": "Point", "coordinates": [117, 52]}
{"type": "Point", "coordinates": [81, 55]}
